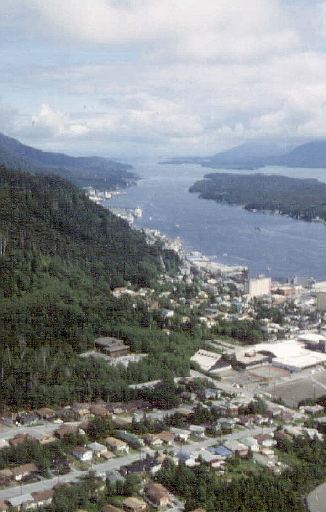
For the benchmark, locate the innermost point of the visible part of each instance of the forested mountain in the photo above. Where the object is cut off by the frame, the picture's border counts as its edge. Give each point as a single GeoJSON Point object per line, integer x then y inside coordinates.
{"type": "Point", "coordinates": [260, 154]}
{"type": "Point", "coordinates": [299, 198]}
{"type": "Point", "coordinates": [252, 154]}
{"type": "Point", "coordinates": [60, 254]}
{"type": "Point", "coordinates": [312, 154]}
{"type": "Point", "coordinates": [83, 171]}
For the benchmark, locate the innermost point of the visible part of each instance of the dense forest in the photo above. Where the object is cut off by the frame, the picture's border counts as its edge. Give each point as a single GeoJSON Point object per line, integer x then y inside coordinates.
{"type": "Point", "coordinates": [299, 198]}
{"type": "Point", "coordinates": [101, 173]}
{"type": "Point", "coordinates": [60, 256]}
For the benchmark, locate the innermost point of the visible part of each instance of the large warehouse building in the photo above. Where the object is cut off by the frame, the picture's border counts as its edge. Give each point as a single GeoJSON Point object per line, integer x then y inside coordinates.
{"type": "Point", "coordinates": [291, 355]}
{"type": "Point", "coordinates": [260, 287]}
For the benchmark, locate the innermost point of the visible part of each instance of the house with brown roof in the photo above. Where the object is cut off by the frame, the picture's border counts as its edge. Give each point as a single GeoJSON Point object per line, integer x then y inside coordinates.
{"type": "Point", "coordinates": [24, 470]}
{"type": "Point", "coordinates": [153, 440]}
{"type": "Point", "coordinates": [3, 506]}
{"type": "Point", "coordinates": [83, 454]}
{"type": "Point", "coordinates": [65, 430]}
{"type": "Point", "coordinates": [167, 437]}
{"type": "Point", "coordinates": [112, 347]}
{"type": "Point", "coordinates": [266, 440]}
{"type": "Point", "coordinates": [134, 505]}
{"type": "Point", "coordinates": [116, 445]}
{"type": "Point", "coordinates": [111, 508]}
{"type": "Point", "coordinates": [99, 410]}
{"type": "Point", "coordinates": [43, 498]}
{"type": "Point", "coordinates": [157, 495]}
{"type": "Point", "coordinates": [45, 413]}
{"type": "Point", "coordinates": [5, 476]}
{"type": "Point", "coordinates": [81, 409]}
{"type": "Point", "coordinates": [19, 439]}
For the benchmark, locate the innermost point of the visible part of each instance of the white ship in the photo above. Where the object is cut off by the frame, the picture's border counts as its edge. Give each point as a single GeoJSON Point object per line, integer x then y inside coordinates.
{"type": "Point", "coordinates": [138, 212]}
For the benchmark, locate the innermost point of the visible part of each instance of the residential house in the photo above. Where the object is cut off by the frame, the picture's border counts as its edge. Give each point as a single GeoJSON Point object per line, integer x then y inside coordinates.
{"type": "Point", "coordinates": [99, 410]}
{"type": "Point", "coordinates": [24, 471]}
{"type": "Point", "coordinates": [3, 506]}
{"type": "Point", "coordinates": [226, 424]}
{"type": "Point", "coordinates": [212, 393]}
{"type": "Point", "coordinates": [20, 502]}
{"type": "Point", "coordinates": [81, 409]}
{"type": "Point", "coordinates": [43, 498]}
{"type": "Point", "coordinates": [46, 438]}
{"type": "Point", "coordinates": [133, 440]}
{"type": "Point", "coordinates": [108, 455]}
{"type": "Point", "coordinates": [312, 409]}
{"type": "Point", "coordinates": [197, 430]}
{"type": "Point", "coordinates": [66, 430]}
{"type": "Point", "coordinates": [134, 505]}
{"type": "Point", "coordinates": [4, 443]}
{"type": "Point", "coordinates": [114, 476]}
{"type": "Point", "coordinates": [221, 451]}
{"type": "Point", "coordinates": [207, 456]}
{"type": "Point", "coordinates": [157, 495]}
{"type": "Point", "coordinates": [19, 439]}
{"type": "Point", "coordinates": [27, 418]}
{"type": "Point", "coordinates": [166, 313]}
{"type": "Point", "coordinates": [265, 460]}
{"type": "Point", "coordinates": [5, 476]}
{"type": "Point", "coordinates": [45, 413]}
{"type": "Point", "coordinates": [187, 457]}
{"type": "Point", "coordinates": [181, 434]}
{"type": "Point", "coordinates": [266, 440]}
{"type": "Point", "coordinates": [153, 440]}
{"type": "Point", "coordinates": [313, 433]}
{"type": "Point", "coordinates": [116, 445]}
{"type": "Point", "coordinates": [111, 508]}
{"type": "Point", "coordinates": [83, 454]}
{"type": "Point", "coordinates": [237, 448]}
{"type": "Point", "coordinates": [112, 347]}
{"type": "Point", "coordinates": [167, 438]}
{"type": "Point", "coordinates": [97, 449]}
{"type": "Point", "coordinates": [251, 443]}
{"type": "Point", "coordinates": [149, 465]}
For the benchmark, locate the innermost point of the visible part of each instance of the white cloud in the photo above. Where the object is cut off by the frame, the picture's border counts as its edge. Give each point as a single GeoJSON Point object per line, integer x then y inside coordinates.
{"type": "Point", "coordinates": [177, 76]}
{"type": "Point", "coordinates": [204, 30]}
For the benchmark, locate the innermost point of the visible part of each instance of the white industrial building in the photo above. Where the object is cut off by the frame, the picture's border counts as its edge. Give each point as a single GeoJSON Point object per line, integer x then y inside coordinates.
{"type": "Point", "coordinates": [209, 361]}
{"type": "Point", "coordinates": [321, 300]}
{"type": "Point", "coordinates": [259, 287]}
{"type": "Point", "coordinates": [292, 355]}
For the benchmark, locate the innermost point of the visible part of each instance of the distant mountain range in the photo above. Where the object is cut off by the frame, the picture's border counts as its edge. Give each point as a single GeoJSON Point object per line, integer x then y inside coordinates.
{"type": "Point", "coordinates": [253, 155]}
{"type": "Point", "coordinates": [82, 171]}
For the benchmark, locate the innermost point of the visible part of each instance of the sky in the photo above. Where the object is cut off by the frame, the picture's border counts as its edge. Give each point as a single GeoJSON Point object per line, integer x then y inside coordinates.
{"type": "Point", "coordinates": [159, 78]}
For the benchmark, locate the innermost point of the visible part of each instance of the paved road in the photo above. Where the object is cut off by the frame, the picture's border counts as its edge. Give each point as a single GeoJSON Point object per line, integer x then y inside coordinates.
{"type": "Point", "coordinates": [34, 430]}
{"type": "Point", "coordinates": [74, 475]}
{"type": "Point", "coordinates": [316, 500]}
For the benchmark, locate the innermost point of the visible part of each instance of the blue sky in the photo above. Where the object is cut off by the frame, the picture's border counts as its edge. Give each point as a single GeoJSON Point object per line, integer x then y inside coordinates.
{"type": "Point", "coordinates": [153, 78]}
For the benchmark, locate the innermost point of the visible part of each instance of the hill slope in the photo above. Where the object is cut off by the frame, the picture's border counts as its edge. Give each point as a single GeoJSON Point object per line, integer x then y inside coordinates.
{"type": "Point", "coordinates": [83, 171]}
{"type": "Point", "coordinates": [59, 256]}
{"type": "Point", "coordinates": [312, 154]}
{"type": "Point", "coordinates": [261, 154]}
{"type": "Point", "coordinates": [299, 198]}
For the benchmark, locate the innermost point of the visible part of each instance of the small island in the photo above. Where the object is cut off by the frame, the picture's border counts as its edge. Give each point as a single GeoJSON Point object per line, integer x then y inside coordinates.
{"type": "Point", "coordinates": [303, 199]}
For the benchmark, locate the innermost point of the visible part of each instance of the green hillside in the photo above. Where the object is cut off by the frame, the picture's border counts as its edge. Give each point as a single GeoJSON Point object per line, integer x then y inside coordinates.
{"type": "Point", "coordinates": [102, 173]}
{"type": "Point", "coordinates": [60, 254]}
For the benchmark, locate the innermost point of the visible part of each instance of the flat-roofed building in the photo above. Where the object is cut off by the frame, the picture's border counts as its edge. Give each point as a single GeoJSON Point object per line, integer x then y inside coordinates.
{"type": "Point", "coordinates": [259, 287]}
{"type": "Point", "coordinates": [112, 347]}
{"type": "Point", "coordinates": [251, 358]}
{"type": "Point", "coordinates": [321, 300]}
